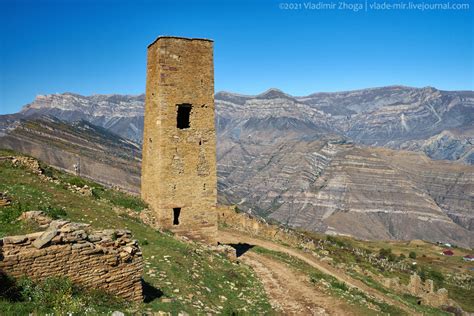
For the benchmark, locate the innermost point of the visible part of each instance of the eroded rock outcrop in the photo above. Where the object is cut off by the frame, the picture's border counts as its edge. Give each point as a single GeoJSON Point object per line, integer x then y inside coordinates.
{"type": "Point", "coordinates": [284, 157]}
{"type": "Point", "coordinates": [369, 193]}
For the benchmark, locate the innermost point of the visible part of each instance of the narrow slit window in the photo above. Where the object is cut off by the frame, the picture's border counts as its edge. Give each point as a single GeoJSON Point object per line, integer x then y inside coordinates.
{"type": "Point", "coordinates": [182, 119]}
{"type": "Point", "coordinates": [176, 212]}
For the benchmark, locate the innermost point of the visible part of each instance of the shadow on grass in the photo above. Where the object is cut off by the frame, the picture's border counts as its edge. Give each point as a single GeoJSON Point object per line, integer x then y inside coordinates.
{"type": "Point", "coordinates": [241, 248]}
{"type": "Point", "coordinates": [8, 288]}
{"type": "Point", "coordinates": [150, 293]}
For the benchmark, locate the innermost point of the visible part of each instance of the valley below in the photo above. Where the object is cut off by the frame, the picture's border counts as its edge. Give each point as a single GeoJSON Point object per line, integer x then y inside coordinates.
{"type": "Point", "coordinates": [257, 268]}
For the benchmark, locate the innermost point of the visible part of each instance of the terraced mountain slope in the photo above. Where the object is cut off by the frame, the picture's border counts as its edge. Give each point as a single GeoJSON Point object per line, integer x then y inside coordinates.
{"type": "Point", "coordinates": [371, 193]}
{"type": "Point", "coordinates": [324, 185]}
{"type": "Point", "coordinates": [436, 122]}
{"type": "Point", "coordinates": [298, 160]}
{"type": "Point", "coordinates": [97, 153]}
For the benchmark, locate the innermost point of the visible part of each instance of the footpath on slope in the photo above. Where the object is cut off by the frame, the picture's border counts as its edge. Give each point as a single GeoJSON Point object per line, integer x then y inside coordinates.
{"type": "Point", "coordinates": [235, 237]}
{"type": "Point", "coordinates": [289, 291]}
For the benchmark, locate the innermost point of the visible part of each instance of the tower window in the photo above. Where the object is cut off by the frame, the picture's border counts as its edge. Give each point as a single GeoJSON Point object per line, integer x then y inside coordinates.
{"type": "Point", "coordinates": [182, 119]}
{"type": "Point", "coordinates": [176, 212]}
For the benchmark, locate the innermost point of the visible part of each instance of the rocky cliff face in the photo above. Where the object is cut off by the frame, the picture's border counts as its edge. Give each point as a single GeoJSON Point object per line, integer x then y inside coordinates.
{"type": "Point", "coordinates": [99, 154]}
{"type": "Point", "coordinates": [304, 161]}
{"type": "Point", "coordinates": [332, 187]}
{"type": "Point", "coordinates": [436, 122]}
{"type": "Point", "coordinates": [120, 114]}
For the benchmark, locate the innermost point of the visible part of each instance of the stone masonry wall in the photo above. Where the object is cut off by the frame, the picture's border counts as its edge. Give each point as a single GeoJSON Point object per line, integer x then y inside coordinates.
{"type": "Point", "coordinates": [424, 290]}
{"type": "Point", "coordinates": [179, 164]}
{"type": "Point", "coordinates": [109, 260]}
{"type": "Point", "coordinates": [245, 223]}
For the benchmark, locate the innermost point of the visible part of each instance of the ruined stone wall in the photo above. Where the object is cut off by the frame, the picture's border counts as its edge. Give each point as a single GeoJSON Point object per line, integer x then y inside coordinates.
{"type": "Point", "coordinates": [243, 222]}
{"type": "Point", "coordinates": [109, 260]}
{"type": "Point", "coordinates": [424, 290]}
{"type": "Point", "coordinates": [179, 164]}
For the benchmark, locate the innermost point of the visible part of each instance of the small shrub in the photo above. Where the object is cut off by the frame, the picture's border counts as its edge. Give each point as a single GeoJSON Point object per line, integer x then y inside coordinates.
{"type": "Point", "coordinates": [335, 241]}
{"type": "Point", "coordinates": [422, 274]}
{"type": "Point", "coordinates": [48, 171]}
{"type": "Point", "coordinates": [436, 276]}
{"type": "Point", "coordinates": [144, 242]}
{"type": "Point", "coordinates": [54, 296]}
{"type": "Point", "coordinates": [55, 293]}
{"type": "Point", "coordinates": [385, 253]}
{"type": "Point", "coordinates": [402, 256]}
{"type": "Point", "coordinates": [339, 285]}
{"type": "Point", "coordinates": [391, 257]}
{"type": "Point", "coordinates": [97, 192]}
{"type": "Point", "coordinates": [129, 201]}
{"type": "Point", "coordinates": [77, 181]}
{"type": "Point", "coordinates": [412, 255]}
{"type": "Point", "coordinates": [53, 212]}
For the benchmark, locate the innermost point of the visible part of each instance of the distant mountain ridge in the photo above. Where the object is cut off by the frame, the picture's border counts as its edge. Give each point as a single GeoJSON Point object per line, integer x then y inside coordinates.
{"type": "Point", "coordinates": [121, 114]}
{"type": "Point", "coordinates": [323, 162]}
{"type": "Point", "coordinates": [436, 122]}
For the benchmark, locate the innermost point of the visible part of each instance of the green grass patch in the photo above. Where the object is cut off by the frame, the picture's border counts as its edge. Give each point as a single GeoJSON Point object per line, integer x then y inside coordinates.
{"type": "Point", "coordinates": [53, 211]}
{"type": "Point", "coordinates": [78, 182]}
{"type": "Point", "coordinates": [336, 287]}
{"type": "Point", "coordinates": [179, 276]}
{"type": "Point", "coordinates": [464, 297]}
{"type": "Point", "coordinates": [54, 295]}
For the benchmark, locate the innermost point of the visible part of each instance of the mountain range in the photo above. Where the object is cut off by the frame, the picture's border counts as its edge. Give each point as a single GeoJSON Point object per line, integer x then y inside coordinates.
{"type": "Point", "coordinates": [365, 163]}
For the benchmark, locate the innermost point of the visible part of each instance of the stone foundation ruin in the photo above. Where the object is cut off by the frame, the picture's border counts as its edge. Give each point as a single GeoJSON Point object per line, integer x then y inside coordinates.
{"type": "Point", "coordinates": [424, 290]}
{"type": "Point", "coordinates": [109, 259]}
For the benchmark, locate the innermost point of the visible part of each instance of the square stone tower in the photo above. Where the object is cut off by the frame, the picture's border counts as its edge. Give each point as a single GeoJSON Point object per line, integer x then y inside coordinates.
{"type": "Point", "coordinates": [179, 143]}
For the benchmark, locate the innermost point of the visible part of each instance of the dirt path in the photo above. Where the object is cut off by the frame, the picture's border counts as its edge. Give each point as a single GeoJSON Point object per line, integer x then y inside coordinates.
{"type": "Point", "coordinates": [237, 237]}
{"type": "Point", "coordinates": [290, 292]}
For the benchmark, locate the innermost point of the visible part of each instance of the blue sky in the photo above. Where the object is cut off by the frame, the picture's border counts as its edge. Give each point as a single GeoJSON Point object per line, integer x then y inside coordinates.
{"type": "Point", "coordinates": [94, 47]}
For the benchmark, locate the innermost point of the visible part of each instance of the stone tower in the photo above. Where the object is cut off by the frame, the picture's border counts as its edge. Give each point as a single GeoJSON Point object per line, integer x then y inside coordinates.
{"type": "Point", "coordinates": [179, 143]}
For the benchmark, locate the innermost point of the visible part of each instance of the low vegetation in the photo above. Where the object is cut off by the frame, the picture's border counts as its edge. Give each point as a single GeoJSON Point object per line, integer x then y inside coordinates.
{"type": "Point", "coordinates": [326, 282]}
{"type": "Point", "coordinates": [401, 259]}
{"type": "Point", "coordinates": [178, 276]}
{"type": "Point", "coordinates": [56, 295]}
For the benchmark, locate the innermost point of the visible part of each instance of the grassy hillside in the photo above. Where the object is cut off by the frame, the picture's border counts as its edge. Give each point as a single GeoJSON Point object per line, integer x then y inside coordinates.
{"type": "Point", "coordinates": [179, 276]}
{"type": "Point", "coordinates": [372, 261]}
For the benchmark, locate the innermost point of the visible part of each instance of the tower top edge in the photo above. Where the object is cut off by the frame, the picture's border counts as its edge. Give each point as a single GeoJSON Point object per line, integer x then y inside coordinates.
{"type": "Point", "coordinates": [180, 38]}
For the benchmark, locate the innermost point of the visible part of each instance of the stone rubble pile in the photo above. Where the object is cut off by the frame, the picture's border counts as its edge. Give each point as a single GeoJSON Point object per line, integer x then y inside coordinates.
{"type": "Point", "coordinates": [109, 259]}
{"type": "Point", "coordinates": [85, 190]}
{"type": "Point", "coordinates": [37, 216]}
{"type": "Point", "coordinates": [26, 162]}
{"type": "Point", "coordinates": [34, 166]}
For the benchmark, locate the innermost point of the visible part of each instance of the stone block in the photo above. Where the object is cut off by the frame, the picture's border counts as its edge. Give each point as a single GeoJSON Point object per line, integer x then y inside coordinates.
{"type": "Point", "coordinates": [14, 239]}
{"type": "Point", "coordinates": [45, 238]}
